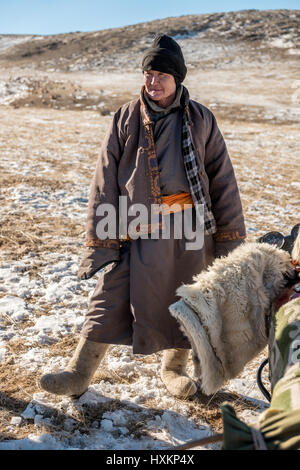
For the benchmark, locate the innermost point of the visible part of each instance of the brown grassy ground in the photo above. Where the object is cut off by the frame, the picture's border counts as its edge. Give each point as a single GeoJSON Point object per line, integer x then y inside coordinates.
{"type": "Point", "coordinates": [49, 142]}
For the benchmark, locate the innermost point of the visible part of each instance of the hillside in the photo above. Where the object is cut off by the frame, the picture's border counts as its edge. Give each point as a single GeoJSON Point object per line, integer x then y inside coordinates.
{"type": "Point", "coordinates": [122, 47]}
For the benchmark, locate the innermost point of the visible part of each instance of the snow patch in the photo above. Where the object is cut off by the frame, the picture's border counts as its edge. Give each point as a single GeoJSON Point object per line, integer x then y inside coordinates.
{"type": "Point", "coordinates": [14, 307]}
{"type": "Point", "coordinates": [33, 442]}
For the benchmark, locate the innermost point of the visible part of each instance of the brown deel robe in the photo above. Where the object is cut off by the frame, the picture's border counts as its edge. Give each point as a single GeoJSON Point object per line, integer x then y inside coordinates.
{"type": "Point", "coordinates": [130, 303]}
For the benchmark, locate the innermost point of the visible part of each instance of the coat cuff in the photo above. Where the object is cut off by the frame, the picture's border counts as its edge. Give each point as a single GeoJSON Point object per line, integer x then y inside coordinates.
{"type": "Point", "coordinates": [107, 243]}
{"type": "Point", "coordinates": [94, 259]}
{"type": "Point", "coordinates": [223, 236]}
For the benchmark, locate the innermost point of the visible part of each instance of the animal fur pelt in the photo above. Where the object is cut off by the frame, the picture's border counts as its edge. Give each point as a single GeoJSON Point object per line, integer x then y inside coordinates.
{"type": "Point", "coordinates": [223, 312]}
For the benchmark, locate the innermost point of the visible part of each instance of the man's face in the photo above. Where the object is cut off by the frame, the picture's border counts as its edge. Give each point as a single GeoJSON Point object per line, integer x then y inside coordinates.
{"type": "Point", "coordinates": [159, 86]}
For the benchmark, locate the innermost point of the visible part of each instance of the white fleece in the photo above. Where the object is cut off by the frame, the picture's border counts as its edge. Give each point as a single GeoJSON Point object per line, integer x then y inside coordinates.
{"type": "Point", "coordinates": [223, 312]}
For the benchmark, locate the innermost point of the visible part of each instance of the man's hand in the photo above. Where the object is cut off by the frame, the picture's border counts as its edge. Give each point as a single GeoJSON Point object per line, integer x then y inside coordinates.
{"type": "Point", "coordinates": [95, 258]}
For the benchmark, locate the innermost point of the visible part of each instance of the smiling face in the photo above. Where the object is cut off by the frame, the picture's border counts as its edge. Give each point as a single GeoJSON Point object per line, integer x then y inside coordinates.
{"type": "Point", "coordinates": [161, 87]}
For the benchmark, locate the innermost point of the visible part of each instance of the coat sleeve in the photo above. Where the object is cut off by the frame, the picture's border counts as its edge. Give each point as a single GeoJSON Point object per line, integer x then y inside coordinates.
{"type": "Point", "coordinates": [223, 190]}
{"type": "Point", "coordinates": [104, 188]}
{"type": "Point", "coordinates": [100, 250]}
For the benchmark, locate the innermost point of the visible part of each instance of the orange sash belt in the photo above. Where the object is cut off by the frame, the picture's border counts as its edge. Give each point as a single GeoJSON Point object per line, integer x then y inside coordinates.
{"type": "Point", "coordinates": [180, 199]}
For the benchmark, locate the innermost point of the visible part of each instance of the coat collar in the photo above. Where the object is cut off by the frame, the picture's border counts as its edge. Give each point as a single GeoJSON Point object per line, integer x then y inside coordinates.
{"type": "Point", "coordinates": [146, 117]}
{"type": "Point", "coordinates": [154, 108]}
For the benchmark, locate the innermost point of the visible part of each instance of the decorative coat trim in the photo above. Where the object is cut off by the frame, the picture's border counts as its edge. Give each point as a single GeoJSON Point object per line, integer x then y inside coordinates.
{"type": "Point", "coordinates": [103, 243]}
{"type": "Point", "coordinates": [150, 151]}
{"type": "Point", "coordinates": [229, 236]}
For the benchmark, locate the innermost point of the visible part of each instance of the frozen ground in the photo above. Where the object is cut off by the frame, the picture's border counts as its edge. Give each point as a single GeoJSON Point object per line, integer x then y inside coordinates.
{"type": "Point", "coordinates": [52, 124]}
{"type": "Point", "coordinates": [47, 161]}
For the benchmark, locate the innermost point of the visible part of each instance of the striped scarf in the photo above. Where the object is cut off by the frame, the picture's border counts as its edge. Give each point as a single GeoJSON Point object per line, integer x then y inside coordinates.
{"type": "Point", "coordinates": [192, 173]}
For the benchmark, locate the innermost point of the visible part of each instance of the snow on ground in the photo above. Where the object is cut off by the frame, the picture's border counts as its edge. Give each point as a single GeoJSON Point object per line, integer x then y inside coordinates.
{"type": "Point", "coordinates": [47, 160]}
{"type": "Point", "coordinates": [7, 41]}
{"type": "Point", "coordinates": [14, 89]}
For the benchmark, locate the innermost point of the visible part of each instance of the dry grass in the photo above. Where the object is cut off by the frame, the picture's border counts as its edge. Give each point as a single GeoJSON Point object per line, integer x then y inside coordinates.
{"type": "Point", "coordinates": [68, 95]}
{"type": "Point", "coordinates": [25, 233]}
{"type": "Point", "coordinates": [16, 347]}
{"type": "Point", "coordinates": [16, 390]}
{"type": "Point", "coordinates": [63, 348]}
{"type": "Point", "coordinates": [18, 387]}
{"type": "Point", "coordinates": [8, 180]}
{"type": "Point", "coordinates": [16, 393]}
{"type": "Point", "coordinates": [247, 113]}
{"type": "Point", "coordinates": [114, 377]}
{"type": "Point", "coordinates": [208, 408]}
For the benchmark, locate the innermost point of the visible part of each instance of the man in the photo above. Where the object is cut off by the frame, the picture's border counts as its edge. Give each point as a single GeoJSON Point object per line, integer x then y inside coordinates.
{"type": "Point", "coordinates": [160, 148]}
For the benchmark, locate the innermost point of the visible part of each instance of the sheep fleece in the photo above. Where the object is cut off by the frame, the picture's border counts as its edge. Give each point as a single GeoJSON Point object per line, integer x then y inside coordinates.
{"type": "Point", "coordinates": [223, 313]}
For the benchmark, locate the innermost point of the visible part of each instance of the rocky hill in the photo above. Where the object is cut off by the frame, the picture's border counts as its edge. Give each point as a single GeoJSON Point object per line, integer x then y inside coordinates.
{"type": "Point", "coordinates": [206, 37]}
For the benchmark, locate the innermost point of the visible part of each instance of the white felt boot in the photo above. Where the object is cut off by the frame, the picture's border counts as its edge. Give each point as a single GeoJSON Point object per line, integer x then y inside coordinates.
{"type": "Point", "coordinates": [173, 373]}
{"type": "Point", "coordinates": [75, 379]}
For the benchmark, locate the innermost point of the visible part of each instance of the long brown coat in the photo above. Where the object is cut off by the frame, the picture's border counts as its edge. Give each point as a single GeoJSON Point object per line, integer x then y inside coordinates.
{"type": "Point", "coordinates": [128, 166]}
{"type": "Point", "coordinates": [132, 296]}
